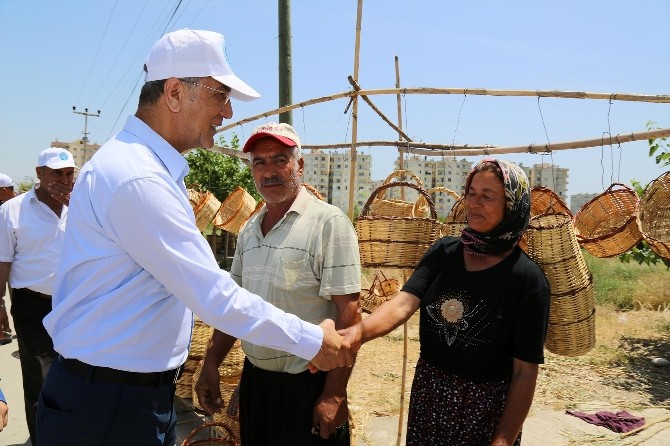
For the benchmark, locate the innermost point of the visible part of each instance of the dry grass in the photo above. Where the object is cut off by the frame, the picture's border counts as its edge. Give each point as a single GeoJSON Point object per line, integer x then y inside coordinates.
{"type": "Point", "coordinates": [617, 372]}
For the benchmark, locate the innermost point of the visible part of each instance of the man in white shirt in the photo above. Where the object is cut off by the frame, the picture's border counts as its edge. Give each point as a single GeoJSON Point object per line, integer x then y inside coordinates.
{"type": "Point", "coordinates": [6, 188]}
{"type": "Point", "coordinates": [32, 227]}
{"type": "Point", "coordinates": [136, 266]}
{"type": "Point", "coordinates": [302, 255]}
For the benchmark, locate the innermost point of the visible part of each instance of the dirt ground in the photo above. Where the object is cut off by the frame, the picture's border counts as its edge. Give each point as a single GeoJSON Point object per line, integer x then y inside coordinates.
{"type": "Point", "coordinates": [610, 377]}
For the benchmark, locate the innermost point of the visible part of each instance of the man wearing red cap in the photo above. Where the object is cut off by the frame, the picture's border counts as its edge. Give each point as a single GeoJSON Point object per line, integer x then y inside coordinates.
{"type": "Point", "coordinates": [301, 254]}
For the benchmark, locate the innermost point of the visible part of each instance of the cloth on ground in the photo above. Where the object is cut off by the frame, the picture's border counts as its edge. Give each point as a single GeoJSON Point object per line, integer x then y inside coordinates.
{"type": "Point", "coordinates": [621, 421]}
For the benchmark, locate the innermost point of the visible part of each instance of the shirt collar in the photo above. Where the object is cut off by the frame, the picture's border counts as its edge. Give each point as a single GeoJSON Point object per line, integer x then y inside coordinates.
{"type": "Point", "coordinates": [175, 163]}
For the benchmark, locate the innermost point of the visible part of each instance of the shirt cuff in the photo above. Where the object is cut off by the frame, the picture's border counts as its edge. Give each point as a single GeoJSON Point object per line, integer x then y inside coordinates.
{"type": "Point", "coordinates": [310, 341]}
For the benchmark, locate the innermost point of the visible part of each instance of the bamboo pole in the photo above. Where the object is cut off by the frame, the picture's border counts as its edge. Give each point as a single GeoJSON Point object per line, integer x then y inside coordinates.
{"type": "Point", "coordinates": [398, 99]}
{"type": "Point", "coordinates": [354, 112]}
{"type": "Point", "coordinates": [630, 97]}
{"type": "Point", "coordinates": [376, 110]}
{"type": "Point", "coordinates": [428, 149]}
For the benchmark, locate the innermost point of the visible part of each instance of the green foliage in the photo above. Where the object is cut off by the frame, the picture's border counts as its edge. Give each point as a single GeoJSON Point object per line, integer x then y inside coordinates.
{"type": "Point", "coordinates": [642, 254]}
{"type": "Point", "coordinates": [613, 283]}
{"type": "Point", "coordinates": [218, 173]}
{"type": "Point", "coordinates": [25, 185]}
{"type": "Point", "coordinates": [658, 148]}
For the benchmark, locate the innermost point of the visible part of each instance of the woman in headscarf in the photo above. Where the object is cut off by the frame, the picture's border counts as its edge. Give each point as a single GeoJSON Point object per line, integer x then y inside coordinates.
{"type": "Point", "coordinates": [484, 310]}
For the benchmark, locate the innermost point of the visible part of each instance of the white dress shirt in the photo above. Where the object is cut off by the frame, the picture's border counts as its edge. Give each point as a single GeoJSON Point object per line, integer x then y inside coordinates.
{"type": "Point", "coordinates": [134, 263]}
{"type": "Point", "coordinates": [31, 237]}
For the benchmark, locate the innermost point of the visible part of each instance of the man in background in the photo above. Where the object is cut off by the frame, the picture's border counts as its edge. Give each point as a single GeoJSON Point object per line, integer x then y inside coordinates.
{"type": "Point", "coordinates": [6, 188]}
{"type": "Point", "coordinates": [301, 254]}
{"type": "Point", "coordinates": [32, 227]}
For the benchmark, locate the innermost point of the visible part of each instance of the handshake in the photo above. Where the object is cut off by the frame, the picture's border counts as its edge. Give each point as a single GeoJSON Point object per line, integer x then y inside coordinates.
{"type": "Point", "coordinates": [338, 348]}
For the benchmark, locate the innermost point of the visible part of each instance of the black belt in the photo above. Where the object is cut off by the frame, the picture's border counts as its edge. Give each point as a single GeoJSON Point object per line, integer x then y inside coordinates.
{"type": "Point", "coordinates": [33, 293]}
{"type": "Point", "coordinates": [106, 374]}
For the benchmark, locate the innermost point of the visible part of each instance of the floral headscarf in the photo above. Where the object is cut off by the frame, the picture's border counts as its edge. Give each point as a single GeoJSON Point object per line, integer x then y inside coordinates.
{"type": "Point", "coordinates": [517, 213]}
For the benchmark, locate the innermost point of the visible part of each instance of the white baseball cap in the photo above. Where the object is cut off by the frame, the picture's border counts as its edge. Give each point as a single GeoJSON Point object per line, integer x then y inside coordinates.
{"type": "Point", "coordinates": [6, 181]}
{"type": "Point", "coordinates": [55, 158]}
{"type": "Point", "coordinates": [283, 133]}
{"type": "Point", "coordinates": [193, 53]}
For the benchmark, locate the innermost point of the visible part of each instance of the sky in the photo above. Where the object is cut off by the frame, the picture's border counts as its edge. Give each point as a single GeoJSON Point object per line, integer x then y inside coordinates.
{"type": "Point", "coordinates": [56, 54]}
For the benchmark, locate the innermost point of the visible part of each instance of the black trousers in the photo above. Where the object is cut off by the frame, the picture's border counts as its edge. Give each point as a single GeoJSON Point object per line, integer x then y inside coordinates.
{"type": "Point", "coordinates": [276, 409]}
{"type": "Point", "coordinates": [36, 349]}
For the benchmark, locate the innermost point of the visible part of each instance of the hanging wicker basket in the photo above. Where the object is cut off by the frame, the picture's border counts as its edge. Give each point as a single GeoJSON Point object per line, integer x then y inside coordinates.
{"type": "Point", "coordinates": [203, 435]}
{"type": "Point", "coordinates": [235, 210]}
{"type": "Point", "coordinates": [456, 220]}
{"type": "Point", "coordinates": [572, 339]}
{"type": "Point", "coordinates": [546, 201]}
{"type": "Point", "coordinates": [382, 206]}
{"type": "Point", "coordinates": [391, 241]}
{"type": "Point", "coordinates": [606, 226]}
{"type": "Point", "coordinates": [381, 290]}
{"type": "Point", "coordinates": [313, 191]}
{"type": "Point", "coordinates": [653, 216]}
{"type": "Point", "coordinates": [205, 210]}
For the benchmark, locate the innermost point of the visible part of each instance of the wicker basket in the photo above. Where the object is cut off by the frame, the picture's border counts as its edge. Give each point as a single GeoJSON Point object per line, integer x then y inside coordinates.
{"type": "Point", "coordinates": [184, 385]}
{"type": "Point", "coordinates": [546, 201]}
{"type": "Point", "coordinates": [456, 220]}
{"type": "Point", "coordinates": [573, 306]}
{"type": "Point", "coordinates": [606, 226]}
{"type": "Point", "coordinates": [391, 207]}
{"type": "Point", "coordinates": [199, 338]}
{"type": "Point", "coordinates": [205, 210]}
{"type": "Point", "coordinates": [572, 339]}
{"type": "Point", "coordinates": [394, 242]}
{"type": "Point", "coordinates": [421, 208]}
{"type": "Point", "coordinates": [193, 197]}
{"type": "Point", "coordinates": [653, 216]}
{"type": "Point", "coordinates": [235, 210]}
{"type": "Point", "coordinates": [314, 192]}
{"type": "Point", "coordinates": [224, 435]}
{"type": "Point", "coordinates": [381, 290]}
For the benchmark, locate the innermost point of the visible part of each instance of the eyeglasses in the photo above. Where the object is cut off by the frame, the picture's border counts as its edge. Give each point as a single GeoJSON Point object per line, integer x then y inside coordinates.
{"type": "Point", "coordinates": [225, 94]}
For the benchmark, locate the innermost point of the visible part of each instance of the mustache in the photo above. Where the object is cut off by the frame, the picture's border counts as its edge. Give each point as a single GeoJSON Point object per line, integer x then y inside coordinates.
{"type": "Point", "coordinates": [272, 181]}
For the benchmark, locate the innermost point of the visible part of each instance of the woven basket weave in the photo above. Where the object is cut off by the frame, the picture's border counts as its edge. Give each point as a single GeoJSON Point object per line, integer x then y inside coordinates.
{"type": "Point", "coordinates": [606, 226]}
{"type": "Point", "coordinates": [381, 290]}
{"type": "Point", "coordinates": [184, 385]}
{"type": "Point", "coordinates": [421, 208]}
{"type": "Point", "coordinates": [456, 220]}
{"type": "Point", "coordinates": [546, 201]}
{"type": "Point", "coordinates": [235, 210]}
{"type": "Point", "coordinates": [395, 242]}
{"type": "Point", "coordinates": [552, 244]}
{"type": "Point", "coordinates": [205, 210]}
{"type": "Point", "coordinates": [314, 192]}
{"type": "Point", "coordinates": [653, 216]}
{"type": "Point", "coordinates": [392, 207]}
{"type": "Point", "coordinates": [225, 436]}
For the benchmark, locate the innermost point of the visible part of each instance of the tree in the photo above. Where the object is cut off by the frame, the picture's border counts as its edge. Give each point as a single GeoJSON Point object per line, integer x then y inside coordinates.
{"type": "Point", "coordinates": [218, 173]}
{"type": "Point", "coordinates": [642, 252]}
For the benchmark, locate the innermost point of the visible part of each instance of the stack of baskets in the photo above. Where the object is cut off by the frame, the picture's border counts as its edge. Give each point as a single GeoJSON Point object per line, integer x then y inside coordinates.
{"type": "Point", "coordinates": [394, 207]}
{"type": "Point", "coordinates": [552, 244]}
{"type": "Point", "coordinates": [205, 206]}
{"type": "Point", "coordinates": [230, 372]}
{"type": "Point", "coordinates": [235, 210]}
{"type": "Point", "coordinates": [543, 201]}
{"type": "Point", "coordinates": [199, 339]}
{"type": "Point", "coordinates": [394, 241]}
{"type": "Point", "coordinates": [606, 226]}
{"type": "Point", "coordinates": [653, 216]}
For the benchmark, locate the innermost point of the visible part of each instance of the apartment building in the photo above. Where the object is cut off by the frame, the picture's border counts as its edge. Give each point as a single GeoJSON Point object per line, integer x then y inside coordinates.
{"type": "Point", "coordinates": [579, 200]}
{"type": "Point", "coordinates": [329, 173]}
{"type": "Point", "coordinates": [81, 152]}
{"type": "Point", "coordinates": [550, 176]}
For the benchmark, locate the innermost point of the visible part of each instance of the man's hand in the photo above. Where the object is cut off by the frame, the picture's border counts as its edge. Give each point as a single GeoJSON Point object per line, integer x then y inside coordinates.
{"type": "Point", "coordinates": [353, 337]}
{"type": "Point", "coordinates": [330, 413]}
{"type": "Point", "coordinates": [333, 353]}
{"type": "Point", "coordinates": [60, 192]}
{"type": "Point", "coordinates": [4, 413]}
{"type": "Point", "coordinates": [208, 390]}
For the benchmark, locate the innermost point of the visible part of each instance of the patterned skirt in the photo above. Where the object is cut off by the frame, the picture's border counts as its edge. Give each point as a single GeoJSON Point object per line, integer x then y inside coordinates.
{"type": "Point", "coordinates": [447, 410]}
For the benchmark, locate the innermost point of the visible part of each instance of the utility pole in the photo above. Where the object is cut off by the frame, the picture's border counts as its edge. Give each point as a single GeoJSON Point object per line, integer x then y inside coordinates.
{"type": "Point", "coordinates": [85, 132]}
{"type": "Point", "coordinates": [285, 60]}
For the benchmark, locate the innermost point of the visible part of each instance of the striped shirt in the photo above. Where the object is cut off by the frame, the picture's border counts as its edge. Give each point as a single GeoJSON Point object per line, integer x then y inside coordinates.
{"type": "Point", "coordinates": [310, 255]}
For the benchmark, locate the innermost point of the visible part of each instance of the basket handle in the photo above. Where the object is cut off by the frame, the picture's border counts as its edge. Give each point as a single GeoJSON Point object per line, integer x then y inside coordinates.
{"type": "Point", "coordinates": [620, 185]}
{"type": "Point", "coordinates": [448, 191]}
{"type": "Point", "coordinates": [313, 190]}
{"type": "Point", "coordinates": [208, 424]}
{"type": "Point", "coordinates": [383, 187]}
{"type": "Point", "coordinates": [399, 174]}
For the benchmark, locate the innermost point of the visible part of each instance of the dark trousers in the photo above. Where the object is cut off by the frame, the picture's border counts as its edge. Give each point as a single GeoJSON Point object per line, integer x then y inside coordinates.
{"type": "Point", "coordinates": [79, 410]}
{"type": "Point", "coordinates": [36, 349]}
{"type": "Point", "coordinates": [277, 409]}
